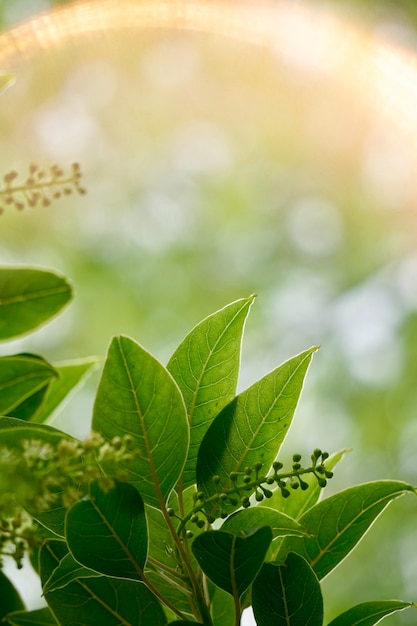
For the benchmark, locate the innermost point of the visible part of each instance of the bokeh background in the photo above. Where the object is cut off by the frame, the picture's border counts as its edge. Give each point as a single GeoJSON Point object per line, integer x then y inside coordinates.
{"type": "Point", "coordinates": [216, 168]}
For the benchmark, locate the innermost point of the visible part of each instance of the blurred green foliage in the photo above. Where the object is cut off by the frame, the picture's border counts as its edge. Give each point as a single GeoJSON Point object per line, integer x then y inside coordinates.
{"type": "Point", "coordinates": [214, 172]}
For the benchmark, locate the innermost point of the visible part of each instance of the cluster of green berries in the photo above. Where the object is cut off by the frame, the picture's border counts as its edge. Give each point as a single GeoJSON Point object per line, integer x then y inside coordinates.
{"type": "Point", "coordinates": [252, 482]}
{"type": "Point", "coordinates": [40, 188]}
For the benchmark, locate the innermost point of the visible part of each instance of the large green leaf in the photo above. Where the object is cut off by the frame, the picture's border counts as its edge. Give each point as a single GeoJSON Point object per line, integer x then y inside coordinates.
{"type": "Point", "coordinates": [369, 613]}
{"type": "Point", "coordinates": [206, 368]}
{"type": "Point", "coordinates": [10, 599]}
{"type": "Point", "coordinates": [118, 519]}
{"type": "Point", "coordinates": [138, 396]}
{"type": "Point", "coordinates": [16, 435]}
{"type": "Point", "coordinates": [40, 617]}
{"type": "Point", "coordinates": [252, 427]}
{"type": "Point", "coordinates": [231, 561]}
{"type": "Point", "coordinates": [71, 374]}
{"type": "Point", "coordinates": [67, 572]}
{"type": "Point", "coordinates": [28, 298]}
{"type": "Point", "coordinates": [255, 517]}
{"type": "Point", "coordinates": [287, 595]}
{"type": "Point", "coordinates": [339, 522]}
{"type": "Point", "coordinates": [222, 607]}
{"type": "Point", "coordinates": [103, 600]}
{"type": "Point", "coordinates": [21, 376]}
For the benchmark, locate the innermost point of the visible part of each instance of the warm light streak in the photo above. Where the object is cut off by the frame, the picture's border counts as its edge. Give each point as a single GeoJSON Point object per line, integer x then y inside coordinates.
{"type": "Point", "coordinates": [310, 40]}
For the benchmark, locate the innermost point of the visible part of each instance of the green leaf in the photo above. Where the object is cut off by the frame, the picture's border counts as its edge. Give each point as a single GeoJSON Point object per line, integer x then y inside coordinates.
{"type": "Point", "coordinates": [67, 572]}
{"type": "Point", "coordinates": [29, 298]}
{"type": "Point", "coordinates": [369, 613]}
{"type": "Point", "coordinates": [71, 375]}
{"type": "Point", "coordinates": [206, 368]}
{"type": "Point", "coordinates": [181, 622]}
{"type": "Point", "coordinates": [138, 396]}
{"type": "Point", "coordinates": [230, 561]}
{"type": "Point", "coordinates": [339, 522]}
{"type": "Point", "coordinates": [21, 376]}
{"type": "Point", "coordinates": [6, 80]}
{"type": "Point", "coordinates": [103, 600]}
{"type": "Point", "coordinates": [252, 427]}
{"type": "Point", "coordinates": [40, 617]}
{"type": "Point", "coordinates": [118, 519]}
{"type": "Point", "coordinates": [287, 595]}
{"type": "Point", "coordinates": [10, 599]}
{"type": "Point", "coordinates": [222, 607]}
{"type": "Point", "coordinates": [247, 519]}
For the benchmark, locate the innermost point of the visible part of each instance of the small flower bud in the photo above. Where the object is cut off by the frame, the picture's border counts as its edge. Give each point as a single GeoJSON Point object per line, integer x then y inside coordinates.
{"type": "Point", "coordinates": [296, 458]}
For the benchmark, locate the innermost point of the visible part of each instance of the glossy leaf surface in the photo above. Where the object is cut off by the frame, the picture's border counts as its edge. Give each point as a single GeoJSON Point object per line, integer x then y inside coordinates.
{"type": "Point", "coordinates": [29, 298]}
{"type": "Point", "coordinates": [369, 613]}
{"type": "Point", "coordinates": [255, 517]}
{"type": "Point", "coordinates": [230, 561]}
{"type": "Point", "coordinates": [118, 519]}
{"type": "Point", "coordinates": [252, 427]}
{"type": "Point", "coordinates": [206, 368]}
{"type": "Point", "coordinates": [287, 595]}
{"type": "Point", "coordinates": [340, 521]}
{"type": "Point", "coordinates": [138, 396]}
{"type": "Point", "coordinates": [21, 376]}
{"type": "Point", "coordinates": [103, 600]}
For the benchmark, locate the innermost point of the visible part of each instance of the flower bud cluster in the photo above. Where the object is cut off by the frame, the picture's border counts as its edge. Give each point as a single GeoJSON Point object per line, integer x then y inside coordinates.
{"type": "Point", "coordinates": [252, 482]}
{"type": "Point", "coordinates": [40, 187]}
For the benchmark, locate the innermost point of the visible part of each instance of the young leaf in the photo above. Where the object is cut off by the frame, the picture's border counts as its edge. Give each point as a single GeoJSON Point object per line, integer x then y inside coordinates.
{"type": "Point", "coordinates": [247, 519]}
{"type": "Point", "coordinates": [138, 396]}
{"type": "Point", "coordinates": [339, 522]}
{"type": "Point", "coordinates": [21, 376]}
{"type": "Point", "coordinates": [117, 518]}
{"type": "Point", "coordinates": [71, 374]}
{"type": "Point", "coordinates": [103, 600]}
{"type": "Point", "coordinates": [230, 561]}
{"type": "Point", "coordinates": [287, 595]}
{"type": "Point", "coordinates": [252, 427]}
{"type": "Point", "coordinates": [206, 368]}
{"type": "Point", "coordinates": [40, 617]}
{"type": "Point", "coordinates": [10, 599]}
{"type": "Point", "coordinates": [29, 298]}
{"type": "Point", "coordinates": [369, 613]}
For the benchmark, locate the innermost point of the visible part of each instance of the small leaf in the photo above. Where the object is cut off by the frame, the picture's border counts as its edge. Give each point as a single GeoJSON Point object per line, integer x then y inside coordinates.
{"type": "Point", "coordinates": [339, 522]}
{"type": "Point", "coordinates": [40, 617]}
{"type": "Point", "coordinates": [369, 613]}
{"type": "Point", "coordinates": [21, 376]}
{"type": "Point", "coordinates": [247, 519]}
{"type": "Point", "coordinates": [287, 595]}
{"type": "Point", "coordinates": [117, 518]}
{"type": "Point", "coordinates": [29, 298]}
{"type": "Point", "coordinates": [101, 600]}
{"type": "Point", "coordinates": [10, 599]}
{"type": "Point", "coordinates": [138, 396]}
{"type": "Point", "coordinates": [206, 368]}
{"type": "Point", "coordinates": [71, 375]}
{"type": "Point", "coordinates": [252, 427]}
{"type": "Point", "coordinates": [230, 561]}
